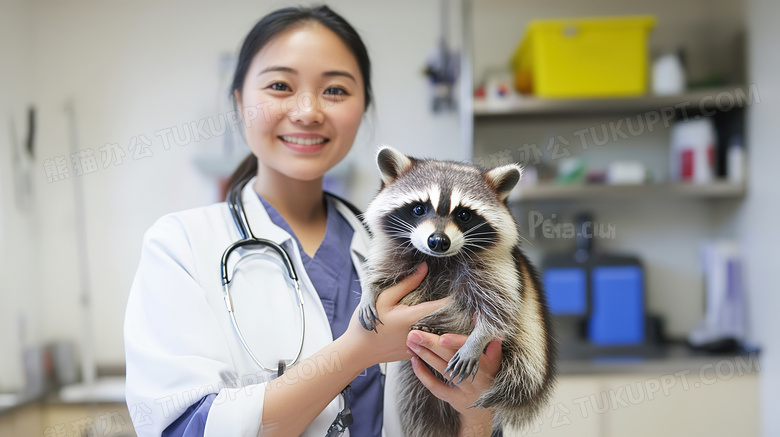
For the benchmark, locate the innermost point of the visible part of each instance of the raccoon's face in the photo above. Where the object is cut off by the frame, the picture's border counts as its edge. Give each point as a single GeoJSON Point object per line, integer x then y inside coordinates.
{"type": "Point", "coordinates": [442, 208]}
{"type": "Point", "coordinates": [437, 229]}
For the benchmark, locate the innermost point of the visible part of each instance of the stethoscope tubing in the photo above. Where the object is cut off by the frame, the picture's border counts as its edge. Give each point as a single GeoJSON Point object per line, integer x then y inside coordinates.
{"type": "Point", "coordinates": [236, 206]}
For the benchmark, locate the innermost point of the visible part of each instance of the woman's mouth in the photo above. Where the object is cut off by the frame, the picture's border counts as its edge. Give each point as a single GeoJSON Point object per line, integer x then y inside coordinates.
{"type": "Point", "coordinates": [304, 143]}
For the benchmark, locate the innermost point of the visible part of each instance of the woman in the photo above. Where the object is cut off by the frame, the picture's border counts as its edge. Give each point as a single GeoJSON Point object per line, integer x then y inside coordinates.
{"type": "Point", "coordinates": [303, 83]}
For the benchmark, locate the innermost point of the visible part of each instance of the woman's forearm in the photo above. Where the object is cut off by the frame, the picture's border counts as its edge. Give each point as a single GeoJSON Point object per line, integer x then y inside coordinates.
{"type": "Point", "coordinates": [295, 399]}
{"type": "Point", "coordinates": [478, 422]}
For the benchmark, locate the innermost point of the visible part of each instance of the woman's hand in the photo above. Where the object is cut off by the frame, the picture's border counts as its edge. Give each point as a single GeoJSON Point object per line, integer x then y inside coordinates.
{"type": "Point", "coordinates": [388, 343]}
{"type": "Point", "coordinates": [436, 351]}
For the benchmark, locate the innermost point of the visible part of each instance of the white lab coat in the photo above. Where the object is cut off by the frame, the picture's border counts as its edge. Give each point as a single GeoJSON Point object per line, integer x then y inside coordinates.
{"type": "Point", "coordinates": [180, 343]}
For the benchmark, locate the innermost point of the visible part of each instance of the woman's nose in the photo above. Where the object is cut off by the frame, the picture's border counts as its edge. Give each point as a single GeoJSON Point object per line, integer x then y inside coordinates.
{"type": "Point", "coordinates": [307, 109]}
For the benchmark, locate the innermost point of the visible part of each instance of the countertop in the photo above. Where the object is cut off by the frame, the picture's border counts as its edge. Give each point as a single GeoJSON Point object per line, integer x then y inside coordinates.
{"type": "Point", "coordinates": [660, 360]}
{"type": "Point", "coordinates": [664, 359]}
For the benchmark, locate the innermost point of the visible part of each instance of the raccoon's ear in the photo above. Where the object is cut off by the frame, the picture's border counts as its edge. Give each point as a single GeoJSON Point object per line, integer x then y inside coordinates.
{"type": "Point", "coordinates": [392, 164]}
{"type": "Point", "coordinates": [503, 179]}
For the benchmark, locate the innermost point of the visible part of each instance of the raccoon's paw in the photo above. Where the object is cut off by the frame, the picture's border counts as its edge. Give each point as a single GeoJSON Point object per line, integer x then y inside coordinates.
{"type": "Point", "coordinates": [368, 317]}
{"type": "Point", "coordinates": [462, 365]}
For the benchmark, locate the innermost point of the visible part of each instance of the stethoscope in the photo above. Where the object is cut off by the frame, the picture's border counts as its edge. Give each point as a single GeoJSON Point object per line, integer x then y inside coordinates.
{"type": "Point", "coordinates": [236, 205]}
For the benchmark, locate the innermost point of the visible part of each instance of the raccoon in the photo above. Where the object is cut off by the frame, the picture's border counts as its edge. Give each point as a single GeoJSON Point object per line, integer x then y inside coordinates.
{"type": "Point", "coordinates": [454, 217]}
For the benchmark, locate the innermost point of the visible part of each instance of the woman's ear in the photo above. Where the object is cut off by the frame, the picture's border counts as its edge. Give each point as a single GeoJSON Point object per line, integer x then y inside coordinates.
{"type": "Point", "coordinates": [237, 96]}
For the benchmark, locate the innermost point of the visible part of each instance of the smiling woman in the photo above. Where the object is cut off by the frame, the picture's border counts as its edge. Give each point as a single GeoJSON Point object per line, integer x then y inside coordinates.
{"type": "Point", "coordinates": [302, 85]}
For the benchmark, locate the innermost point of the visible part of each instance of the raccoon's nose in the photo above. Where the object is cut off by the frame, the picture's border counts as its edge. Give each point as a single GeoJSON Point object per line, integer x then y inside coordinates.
{"type": "Point", "coordinates": [439, 242]}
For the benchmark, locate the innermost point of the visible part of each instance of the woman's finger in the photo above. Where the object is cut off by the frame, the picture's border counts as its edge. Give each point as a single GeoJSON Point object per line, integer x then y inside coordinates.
{"type": "Point", "coordinates": [424, 345]}
{"type": "Point", "coordinates": [422, 309]}
{"type": "Point", "coordinates": [445, 346]}
{"type": "Point", "coordinates": [493, 356]}
{"type": "Point", "coordinates": [454, 341]}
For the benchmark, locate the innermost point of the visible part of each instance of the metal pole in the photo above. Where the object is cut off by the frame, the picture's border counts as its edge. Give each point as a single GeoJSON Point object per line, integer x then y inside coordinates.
{"type": "Point", "coordinates": [466, 92]}
{"type": "Point", "coordinates": [88, 366]}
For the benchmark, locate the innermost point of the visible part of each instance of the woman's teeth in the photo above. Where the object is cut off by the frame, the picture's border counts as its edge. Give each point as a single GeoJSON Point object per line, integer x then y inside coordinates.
{"type": "Point", "coordinates": [304, 141]}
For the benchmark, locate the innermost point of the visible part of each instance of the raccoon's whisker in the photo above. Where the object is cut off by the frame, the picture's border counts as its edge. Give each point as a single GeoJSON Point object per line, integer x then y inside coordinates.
{"type": "Point", "coordinates": [483, 234]}
{"type": "Point", "coordinates": [466, 254]}
{"type": "Point", "coordinates": [478, 234]}
{"type": "Point", "coordinates": [397, 233]}
{"type": "Point", "coordinates": [474, 228]}
{"type": "Point", "coordinates": [403, 224]}
{"type": "Point", "coordinates": [468, 251]}
{"type": "Point", "coordinates": [477, 242]}
{"type": "Point", "coordinates": [525, 239]}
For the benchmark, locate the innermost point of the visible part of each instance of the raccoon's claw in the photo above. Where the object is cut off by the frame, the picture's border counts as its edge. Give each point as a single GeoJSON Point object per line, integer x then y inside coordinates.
{"type": "Point", "coordinates": [368, 317]}
{"type": "Point", "coordinates": [462, 367]}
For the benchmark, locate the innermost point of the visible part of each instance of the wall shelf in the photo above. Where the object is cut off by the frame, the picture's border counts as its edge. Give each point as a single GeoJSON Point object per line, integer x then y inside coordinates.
{"type": "Point", "coordinates": [705, 99]}
{"type": "Point", "coordinates": [548, 192]}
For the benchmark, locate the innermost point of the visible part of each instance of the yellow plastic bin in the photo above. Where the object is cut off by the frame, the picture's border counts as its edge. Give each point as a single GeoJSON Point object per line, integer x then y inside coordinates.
{"type": "Point", "coordinates": [584, 57]}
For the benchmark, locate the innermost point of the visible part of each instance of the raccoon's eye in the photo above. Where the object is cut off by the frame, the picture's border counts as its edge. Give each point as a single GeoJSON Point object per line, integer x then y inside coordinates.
{"type": "Point", "coordinates": [464, 215]}
{"type": "Point", "coordinates": [418, 210]}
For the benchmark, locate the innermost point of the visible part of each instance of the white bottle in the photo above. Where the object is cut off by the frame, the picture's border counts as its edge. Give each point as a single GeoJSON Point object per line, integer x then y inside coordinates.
{"type": "Point", "coordinates": [693, 151]}
{"type": "Point", "coordinates": [735, 162]}
{"type": "Point", "coordinates": [668, 75]}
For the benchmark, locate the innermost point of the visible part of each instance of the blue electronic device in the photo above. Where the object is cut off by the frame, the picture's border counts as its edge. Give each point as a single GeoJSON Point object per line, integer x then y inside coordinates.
{"type": "Point", "coordinates": [618, 310]}
{"type": "Point", "coordinates": [606, 292]}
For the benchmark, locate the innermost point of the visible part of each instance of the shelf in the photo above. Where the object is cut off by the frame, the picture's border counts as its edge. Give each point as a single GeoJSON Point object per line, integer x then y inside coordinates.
{"type": "Point", "coordinates": [543, 192]}
{"type": "Point", "coordinates": [723, 98]}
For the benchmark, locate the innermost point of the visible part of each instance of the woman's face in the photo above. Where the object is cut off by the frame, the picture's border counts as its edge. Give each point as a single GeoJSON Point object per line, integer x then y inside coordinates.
{"type": "Point", "coordinates": [302, 102]}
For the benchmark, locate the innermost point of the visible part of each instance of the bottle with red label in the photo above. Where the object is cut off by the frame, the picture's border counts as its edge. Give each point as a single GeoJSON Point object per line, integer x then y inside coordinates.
{"type": "Point", "coordinates": [692, 151]}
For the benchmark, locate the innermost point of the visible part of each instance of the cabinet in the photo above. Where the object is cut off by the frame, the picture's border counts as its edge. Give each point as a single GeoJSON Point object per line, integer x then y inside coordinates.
{"type": "Point", "coordinates": [675, 404]}
{"type": "Point", "coordinates": [24, 421]}
{"type": "Point", "coordinates": [83, 420]}
{"type": "Point", "coordinates": [57, 419]}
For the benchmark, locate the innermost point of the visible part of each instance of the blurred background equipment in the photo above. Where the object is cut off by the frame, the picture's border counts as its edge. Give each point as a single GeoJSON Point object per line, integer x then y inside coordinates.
{"type": "Point", "coordinates": [724, 325]}
{"type": "Point", "coordinates": [597, 299]}
{"type": "Point", "coordinates": [90, 388]}
{"type": "Point", "coordinates": [218, 158]}
{"type": "Point", "coordinates": [442, 66]}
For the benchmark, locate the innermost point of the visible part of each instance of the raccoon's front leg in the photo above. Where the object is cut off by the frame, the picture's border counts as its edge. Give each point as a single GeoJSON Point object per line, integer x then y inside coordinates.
{"type": "Point", "coordinates": [465, 362]}
{"type": "Point", "coordinates": [367, 308]}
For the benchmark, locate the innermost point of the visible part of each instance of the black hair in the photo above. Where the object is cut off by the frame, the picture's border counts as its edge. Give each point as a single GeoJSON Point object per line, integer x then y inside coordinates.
{"type": "Point", "coordinates": [270, 26]}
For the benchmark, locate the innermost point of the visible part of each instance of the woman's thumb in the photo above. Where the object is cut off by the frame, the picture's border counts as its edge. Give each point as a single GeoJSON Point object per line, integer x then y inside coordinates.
{"type": "Point", "coordinates": [394, 294]}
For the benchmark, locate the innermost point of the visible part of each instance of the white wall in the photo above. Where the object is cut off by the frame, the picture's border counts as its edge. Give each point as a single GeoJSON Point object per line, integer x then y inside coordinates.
{"type": "Point", "coordinates": [135, 68]}
{"type": "Point", "coordinates": [20, 290]}
{"type": "Point", "coordinates": [759, 214]}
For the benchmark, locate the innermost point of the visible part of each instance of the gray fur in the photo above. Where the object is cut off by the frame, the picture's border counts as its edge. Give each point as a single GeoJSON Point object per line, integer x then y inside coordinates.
{"type": "Point", "coordinates": [495, 293]}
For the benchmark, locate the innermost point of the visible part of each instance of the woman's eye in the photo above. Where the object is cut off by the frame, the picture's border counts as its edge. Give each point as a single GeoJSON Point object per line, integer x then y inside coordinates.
{"type": "Point", "coordinates": [337, 91]}
{"type": "Point", "coordinates": [418, 210]}
{"type": "Point", "coordinates": [278, 86]}
{"type": "Point", "coordinates": [464, 216]}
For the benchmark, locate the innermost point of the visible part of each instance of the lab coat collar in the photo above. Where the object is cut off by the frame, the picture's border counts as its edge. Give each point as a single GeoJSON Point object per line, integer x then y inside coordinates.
{"type": "Point", "coordinates": [262, 225]}
{"type": "Point", "coordinates": [361, 237]}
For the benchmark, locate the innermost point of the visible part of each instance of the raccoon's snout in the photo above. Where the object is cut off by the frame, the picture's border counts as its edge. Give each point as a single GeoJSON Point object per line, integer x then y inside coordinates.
{"type": "Point", "coordinates": [439, 242]}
